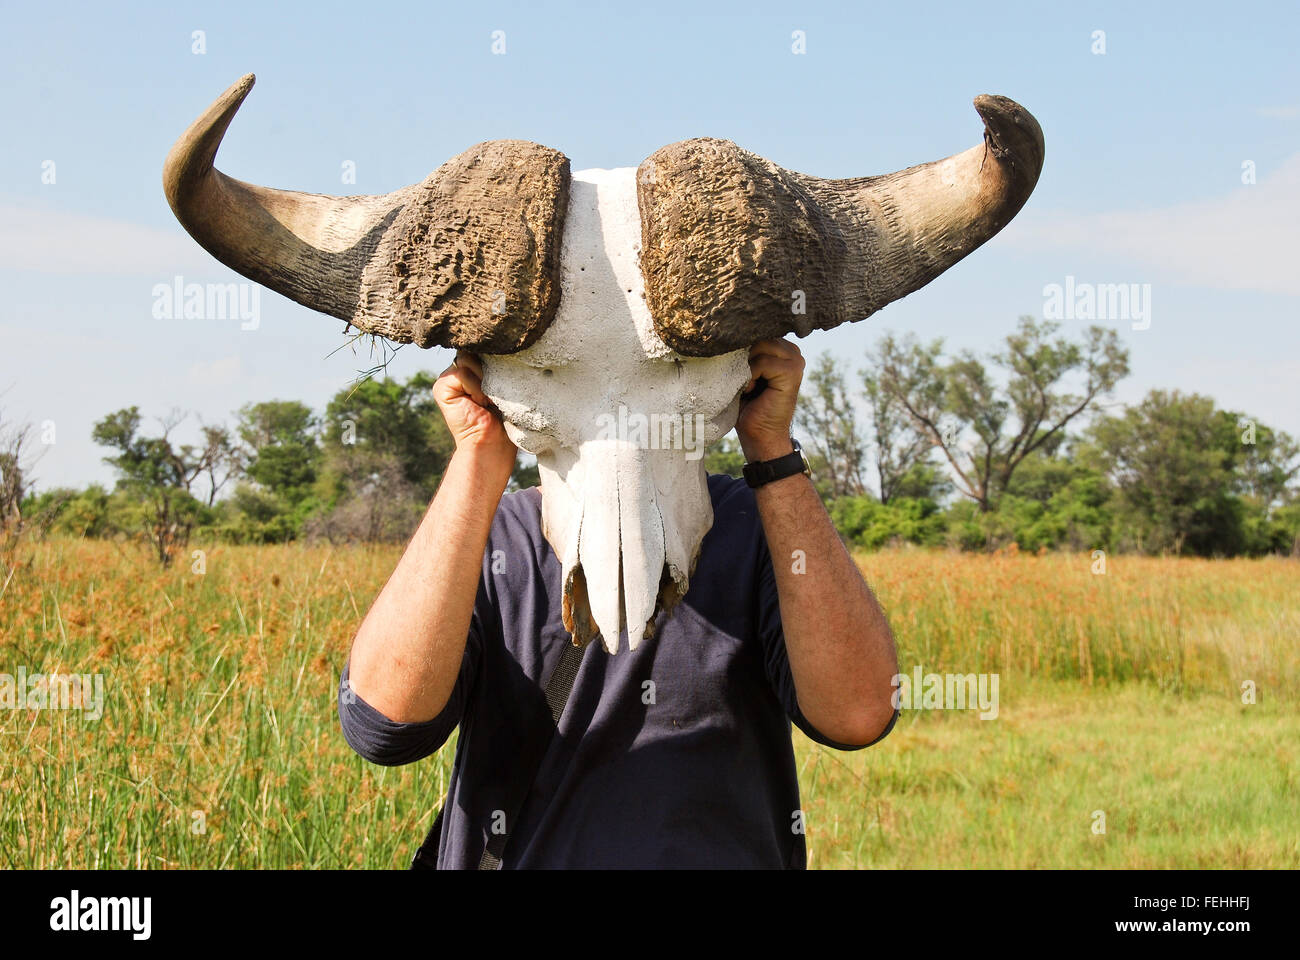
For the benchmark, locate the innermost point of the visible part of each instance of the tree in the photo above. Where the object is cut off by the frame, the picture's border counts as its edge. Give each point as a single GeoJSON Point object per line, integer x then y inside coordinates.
{"type": "Point", "coordinates": [1053, 500]}
{"type": "Point", "coordinates": [924, 481]}
{"type": "Point", "coordinates": [220, 459]}
{"type": "Point", "coordinates": [949, 401]}
{"type": "Point", "coordinates": [866, 522]}
{"type": "Point", "coordinates": [1171, 459]}
{"type": "Point", "coordinates": [280, 448]}
{"type": "Point", "coordinates": [903, 467]}
{"type": "Point", "coordinates": [825, 416]}
{"type": "Point", "coordinates": [1269, 464]}
{"type": "Point", "coordinates": [15, 478]}
{"type": "Point", "coordinates": [1266, 473]}
{"type": "Point", "coordinates": [156, 476]}
{"type": "Point", "coordinates": [387, 418]}
{"type": "Point", "coordinates": [386, 447]}
{"type": "Point", "coordinates": [381, 506]}
{"type": "Point", "coordinates": [280, 457]}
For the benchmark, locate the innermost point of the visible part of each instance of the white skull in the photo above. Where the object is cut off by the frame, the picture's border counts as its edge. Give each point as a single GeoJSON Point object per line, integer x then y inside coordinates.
{"type": "Point", "coordinates": [598, 393]}
{"type": "Point", "coordinates": [618, 421]}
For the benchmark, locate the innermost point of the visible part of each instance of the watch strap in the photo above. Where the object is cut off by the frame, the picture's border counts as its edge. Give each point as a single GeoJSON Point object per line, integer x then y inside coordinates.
{"type": "Point", "coordinates": [761, 472]}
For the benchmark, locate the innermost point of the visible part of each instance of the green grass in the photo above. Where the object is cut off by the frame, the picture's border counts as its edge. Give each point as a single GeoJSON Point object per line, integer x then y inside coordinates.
{"type": "Point", "coordinates": [1183, 781]}
{"type": "Point", "coordinates": [220, 747]}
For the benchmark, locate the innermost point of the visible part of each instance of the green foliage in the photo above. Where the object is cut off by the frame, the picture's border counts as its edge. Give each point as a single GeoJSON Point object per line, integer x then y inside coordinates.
{"type": "Point", "coordinates": [525, 474]}
{"type": "Point", "coordinates": [152, 497]}
{"type": "Point", "coordinates": [282, 461]}
{"type": "Point", "coordinates": [725, 456]}
{"type": "Point", "coordinates": [380, 419]}
{"type": "Point", "coordinates": [1269, 462]}
{"type": "Point", "coordinates": [923, 480]}
{"type": "Point", "coordinates": [1171, 473]}
{"type": "Point", "coordinates": [987, 415]}
{"type": "Point", "coordinates": [255, 515]}
{"type": "Point", "coordinates": [1172, 459]}
{"type": "Point", "coordinates": [826, 420]}
{"type": "Point", "coordinates": [1055, 502]}
{"type": "Point", "coordinates": [385, 447]}
{"type": "Point", "coordinates": [78, 513]}
{"type": "Point", "coordinates": [866, 522]}
{"type": "Point", "coordinates": [1276, 533]}
{"type": "Point", "coordinates": [283, 456]}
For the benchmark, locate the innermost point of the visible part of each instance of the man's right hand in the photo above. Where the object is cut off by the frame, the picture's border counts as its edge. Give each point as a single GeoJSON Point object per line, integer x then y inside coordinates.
{"type": "Point", "coordinates": [474, 422]}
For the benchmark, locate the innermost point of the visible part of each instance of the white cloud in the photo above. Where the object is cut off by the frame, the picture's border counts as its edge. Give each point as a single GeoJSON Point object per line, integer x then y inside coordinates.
{"type": "Point", "coordinates": [55, 241]}
{"type": "Point", "coordinates": [1245, 240]}
{"type": "Point", "coordinates": [1277, 112]}
{"type": "Point", "coordinates": [220, 372]}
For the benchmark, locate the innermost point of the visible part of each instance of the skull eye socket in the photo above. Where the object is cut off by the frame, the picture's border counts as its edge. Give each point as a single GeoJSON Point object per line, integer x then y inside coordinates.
{"type": "Point", "coordinates": [548, 372]}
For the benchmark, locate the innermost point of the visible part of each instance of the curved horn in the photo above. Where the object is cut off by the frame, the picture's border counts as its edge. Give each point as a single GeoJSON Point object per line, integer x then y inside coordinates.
{"type": "Point", "coordinates": [309, 247]}
{"type": "Point", "coordinates": [469, 258]}
{"type": "Point", "coordinates": [737, 249]}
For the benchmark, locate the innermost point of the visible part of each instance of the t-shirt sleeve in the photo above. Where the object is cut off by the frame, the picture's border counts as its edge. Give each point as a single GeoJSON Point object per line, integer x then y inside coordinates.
{"type": "Point", "coordinates": [777, 661]}
{"type": "Point", "coordinates": [392, 743]}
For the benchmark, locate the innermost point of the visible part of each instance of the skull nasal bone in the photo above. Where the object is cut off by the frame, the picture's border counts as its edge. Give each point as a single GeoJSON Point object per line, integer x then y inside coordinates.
{"type": "Point", "coordinates": [621, 541]}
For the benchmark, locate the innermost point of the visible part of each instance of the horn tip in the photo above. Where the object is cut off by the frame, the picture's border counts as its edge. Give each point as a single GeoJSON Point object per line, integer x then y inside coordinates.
{"type": "Point", "coordinates": [239, 89]}
{"type": "Point", "coordinates": [1011, 130]}
{"type": "Point", "coordinates": [190, 157]}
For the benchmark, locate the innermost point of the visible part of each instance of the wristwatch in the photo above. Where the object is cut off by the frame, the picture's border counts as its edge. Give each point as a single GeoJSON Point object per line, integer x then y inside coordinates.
{"type": "Point", "coordinates": [760, 472]}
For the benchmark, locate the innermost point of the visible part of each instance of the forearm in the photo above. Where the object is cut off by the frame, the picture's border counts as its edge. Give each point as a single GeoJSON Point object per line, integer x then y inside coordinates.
{"type": "Point", "coordinates": [838, 641]}
{"type": "Point", "coordinates": [407, 654]}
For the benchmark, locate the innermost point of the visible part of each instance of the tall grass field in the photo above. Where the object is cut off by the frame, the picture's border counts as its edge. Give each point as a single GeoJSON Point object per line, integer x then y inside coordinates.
{"type": "Point", "coordinates": [1148, 716]}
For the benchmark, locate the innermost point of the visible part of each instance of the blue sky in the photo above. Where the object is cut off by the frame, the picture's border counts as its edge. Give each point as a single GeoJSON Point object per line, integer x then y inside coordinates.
{"type": "Point", "coordinates": [1143, 181]}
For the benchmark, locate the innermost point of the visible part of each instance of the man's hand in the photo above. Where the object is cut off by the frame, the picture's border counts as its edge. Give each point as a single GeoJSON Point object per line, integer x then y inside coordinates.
{"type": "Point", "coordinates": [474, 422]}
{"type": "Point", "coordinates": [765, 417]}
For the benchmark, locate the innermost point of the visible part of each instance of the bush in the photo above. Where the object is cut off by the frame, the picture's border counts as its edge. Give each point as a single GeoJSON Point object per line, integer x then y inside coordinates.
{"type": "Point", "coordinates": [80, 513]}
{"type": "Point", "coordinates": [255, 515]}
{"type": "Point", "coordinates": [866, 522]}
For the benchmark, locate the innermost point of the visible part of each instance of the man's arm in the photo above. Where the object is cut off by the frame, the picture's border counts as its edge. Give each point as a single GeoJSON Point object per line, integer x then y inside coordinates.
{"type": "Point", "coordinates": [838, 641]}
{"type": "Point", "coordinates": [407, 654]}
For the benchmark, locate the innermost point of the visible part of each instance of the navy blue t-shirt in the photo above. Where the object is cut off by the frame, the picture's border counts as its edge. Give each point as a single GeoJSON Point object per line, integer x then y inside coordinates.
{"type": "Point", "coordinates": [676, 754]}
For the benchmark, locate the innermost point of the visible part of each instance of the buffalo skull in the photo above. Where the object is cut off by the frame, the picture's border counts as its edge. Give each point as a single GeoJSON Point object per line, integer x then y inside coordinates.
{"type": "Point", "coordinates": [613, 309]}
